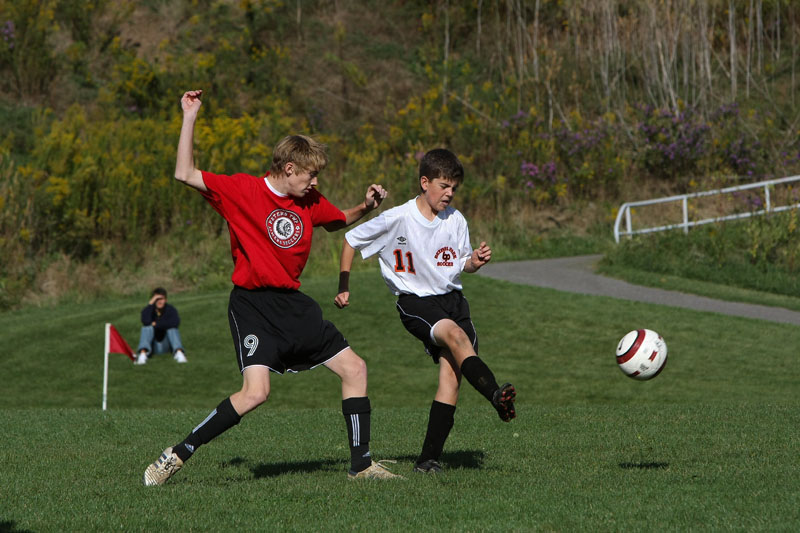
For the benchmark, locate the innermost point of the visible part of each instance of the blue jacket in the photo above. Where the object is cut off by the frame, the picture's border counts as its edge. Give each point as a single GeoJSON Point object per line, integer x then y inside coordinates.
{"type": "Point", "coordinates": [169, 319]}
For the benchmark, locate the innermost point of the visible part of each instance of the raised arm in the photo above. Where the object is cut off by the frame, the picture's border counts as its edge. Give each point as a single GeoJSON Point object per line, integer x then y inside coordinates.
{"type": "Point", "coordinates": [342, 299]}
{"type": "Point", "coordinates": [373, 198]}
{"type": "Point", "coordinates": [185, 170]}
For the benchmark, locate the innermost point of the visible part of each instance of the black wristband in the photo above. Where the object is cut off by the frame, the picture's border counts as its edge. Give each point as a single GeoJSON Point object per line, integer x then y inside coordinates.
{"type": "Point", "coordinates": [344, 282]}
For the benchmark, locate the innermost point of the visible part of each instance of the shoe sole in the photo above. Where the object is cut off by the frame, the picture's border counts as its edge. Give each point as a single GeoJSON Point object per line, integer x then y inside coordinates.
{"type": "Point", "coordinates": [430, 466]}
{"type": "Point", "coordinates": [428, 471]}
{"type": "Point", "coordinates": [507, 398]}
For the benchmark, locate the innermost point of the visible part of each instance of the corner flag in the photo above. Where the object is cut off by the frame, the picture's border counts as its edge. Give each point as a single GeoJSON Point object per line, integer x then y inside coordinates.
{"type": "Point", "coordinates": [114, 344]}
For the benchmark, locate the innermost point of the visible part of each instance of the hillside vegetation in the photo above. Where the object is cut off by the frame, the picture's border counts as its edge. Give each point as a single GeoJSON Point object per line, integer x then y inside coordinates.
{"type": "Point", "coordinates": [559, 109]}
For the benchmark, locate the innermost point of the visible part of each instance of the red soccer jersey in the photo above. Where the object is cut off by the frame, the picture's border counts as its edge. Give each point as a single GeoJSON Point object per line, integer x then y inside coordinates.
{"type": "Point", "coordinates": [270, 233]}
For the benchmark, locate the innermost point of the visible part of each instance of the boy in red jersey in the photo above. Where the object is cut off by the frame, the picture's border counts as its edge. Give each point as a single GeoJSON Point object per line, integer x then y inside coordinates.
{"type": "Point", "coordinates": [274, 326]}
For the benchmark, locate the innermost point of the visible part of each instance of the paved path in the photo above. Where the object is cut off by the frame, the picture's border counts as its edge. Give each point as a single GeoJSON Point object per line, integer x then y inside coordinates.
{"type": "Point", "coordinates": [576, 274]}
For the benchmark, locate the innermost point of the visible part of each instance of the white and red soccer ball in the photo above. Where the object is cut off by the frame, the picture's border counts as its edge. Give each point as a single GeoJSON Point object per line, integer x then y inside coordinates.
{"type": "Point", "coordinates": [642, 354]}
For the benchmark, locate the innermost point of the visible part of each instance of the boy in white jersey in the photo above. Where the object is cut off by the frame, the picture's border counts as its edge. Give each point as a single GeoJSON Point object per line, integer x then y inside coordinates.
{"type": "Point", "coordinates": [423, 246]}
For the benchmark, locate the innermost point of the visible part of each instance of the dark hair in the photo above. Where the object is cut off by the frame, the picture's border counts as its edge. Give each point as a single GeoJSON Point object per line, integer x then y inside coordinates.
{"type": "Point", "coordinates": [160, 290]}
{"type": "Point", "coordinates": [441, 163]}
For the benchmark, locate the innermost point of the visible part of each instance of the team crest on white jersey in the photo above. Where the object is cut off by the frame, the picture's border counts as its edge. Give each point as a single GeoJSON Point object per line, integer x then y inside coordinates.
{"type": "Point", "coordinates": [284, 227]}
{"type": "Point", "coordinates": [445, 256]}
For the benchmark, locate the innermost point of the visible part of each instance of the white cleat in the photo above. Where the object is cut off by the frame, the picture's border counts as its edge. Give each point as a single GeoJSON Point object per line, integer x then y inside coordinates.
{"type": "Point", "coordinates": [165, 466]}
{"type": "Point", "coordinates": [375, 471]}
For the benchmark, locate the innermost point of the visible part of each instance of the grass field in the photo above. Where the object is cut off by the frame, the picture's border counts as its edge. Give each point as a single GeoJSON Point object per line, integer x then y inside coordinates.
{"type": "Point", "coordinates": [711, 444]}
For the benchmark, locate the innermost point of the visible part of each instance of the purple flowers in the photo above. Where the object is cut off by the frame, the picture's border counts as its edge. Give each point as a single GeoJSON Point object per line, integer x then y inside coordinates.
{"type": "Point", "coordinates": [672, 144]}
{"type": "Point", "coordinates": [7, 31]}
{"type": "Point", "coordinates": [584, 157]}
{"type": "Point", "coordinates": [748, 200]}
{"type": "Point", "coordinates": [518, 119]}
{"type": "Point", "coordinates": [583, 141]}
{"type": "Point", "coordinates": [545, 174]}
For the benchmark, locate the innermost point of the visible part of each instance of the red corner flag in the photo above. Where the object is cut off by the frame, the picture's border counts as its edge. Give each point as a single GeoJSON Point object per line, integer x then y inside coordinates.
{"type": "Point", "coordinates": [116, 344]}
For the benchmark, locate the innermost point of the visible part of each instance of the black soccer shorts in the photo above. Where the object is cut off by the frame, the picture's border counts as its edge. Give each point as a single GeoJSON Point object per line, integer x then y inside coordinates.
{"type": "Point", "coordinates": [281, 329]}
{"type": "Point", "coordinates": [420, 313]}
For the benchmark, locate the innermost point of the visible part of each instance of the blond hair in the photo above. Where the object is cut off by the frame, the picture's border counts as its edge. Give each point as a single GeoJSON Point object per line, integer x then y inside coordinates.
{"type": "Point", "coordinates": [301, 150]}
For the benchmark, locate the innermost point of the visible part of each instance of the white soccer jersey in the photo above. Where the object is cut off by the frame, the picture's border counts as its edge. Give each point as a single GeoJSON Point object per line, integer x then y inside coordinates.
{"type": "Point", "coordinates": [417, 256]}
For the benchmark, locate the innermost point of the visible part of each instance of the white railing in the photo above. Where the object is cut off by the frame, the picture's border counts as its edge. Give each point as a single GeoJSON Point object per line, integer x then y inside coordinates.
{"type": "Point", "coordinates": [625, 209]}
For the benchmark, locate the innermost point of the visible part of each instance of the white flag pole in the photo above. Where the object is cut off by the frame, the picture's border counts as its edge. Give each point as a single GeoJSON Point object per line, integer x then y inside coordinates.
{"type": "Point", "coordinates": [105, 365]}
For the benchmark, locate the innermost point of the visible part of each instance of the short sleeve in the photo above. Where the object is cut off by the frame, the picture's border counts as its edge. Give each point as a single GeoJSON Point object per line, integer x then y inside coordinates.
{"type": "Point", "coordinates": [368, 237]}
{"type": "Point", "coordinates": [211, 195]}
{"type": "Point", "coordinates": [322, 211]}
{"type": "Point", "coordinates": [226, 190]}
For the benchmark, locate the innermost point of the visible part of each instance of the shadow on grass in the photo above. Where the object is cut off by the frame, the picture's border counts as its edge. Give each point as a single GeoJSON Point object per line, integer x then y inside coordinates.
{"type": "Point", "coordinates": [472, 459]}
{"type": "Point", "coordinates": [9, 526]}
{"type": "Point", "coordinates": [263, 470]}
{"type": "Point", "coordinates": [644, 466]}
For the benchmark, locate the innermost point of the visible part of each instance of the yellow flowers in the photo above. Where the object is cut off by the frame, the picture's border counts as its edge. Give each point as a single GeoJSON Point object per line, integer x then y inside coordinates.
{"type": "Point", "coordinates": [205, 61]}
{"type": "Point", "coordinates": [59, 189]}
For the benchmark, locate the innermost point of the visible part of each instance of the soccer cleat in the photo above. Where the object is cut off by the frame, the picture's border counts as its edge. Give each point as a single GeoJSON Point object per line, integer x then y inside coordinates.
{"type": "Point", "coordinates": [431, 466]}
{"type": "Point", "coordinates": [141, 359]}
{"type": "Point", "coordinates": [180, 357]}
{"type": "Point", "coordinates": [503, 401]}
{"type": "Point", "coordinates": [375, 471]}
{"type": "Point", "coordinates": [159, 472]}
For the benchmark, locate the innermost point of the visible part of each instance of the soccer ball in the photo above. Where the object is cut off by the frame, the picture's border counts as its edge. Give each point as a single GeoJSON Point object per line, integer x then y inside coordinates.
{"type": "Point", "coordinates": [642, 354]}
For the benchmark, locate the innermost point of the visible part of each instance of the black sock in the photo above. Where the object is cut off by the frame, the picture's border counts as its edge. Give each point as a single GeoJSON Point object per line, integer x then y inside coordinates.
{"type": "Point", "coordinates": [219, 421]}
{"type": "Point", "coordinates": [440, 422]}
{"type": "Point", "coordinates": [356, 413]}
{"type": "Point", "coordinates": [479, 376]}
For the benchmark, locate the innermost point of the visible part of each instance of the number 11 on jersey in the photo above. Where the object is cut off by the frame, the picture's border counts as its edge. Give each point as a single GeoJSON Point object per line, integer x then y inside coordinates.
{"type": "Point", "coordinates": [399, 266]}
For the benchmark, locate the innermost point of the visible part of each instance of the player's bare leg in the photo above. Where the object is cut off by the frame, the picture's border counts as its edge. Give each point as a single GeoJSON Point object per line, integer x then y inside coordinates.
{"type": "Point", "coordinates": [255, 390]}
{"type": "Point", "coordinates": [352, 370]}
{"type": "Point", "coordinates": [449, 379]}
{"type": "Point", "coordinates": [447, 333]}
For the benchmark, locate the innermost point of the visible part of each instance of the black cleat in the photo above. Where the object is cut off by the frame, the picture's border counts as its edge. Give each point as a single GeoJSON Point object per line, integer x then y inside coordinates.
{"type": "Point", "coordinates": [503, 401]}
{"type": "Point", "coordinates": [431, 466]}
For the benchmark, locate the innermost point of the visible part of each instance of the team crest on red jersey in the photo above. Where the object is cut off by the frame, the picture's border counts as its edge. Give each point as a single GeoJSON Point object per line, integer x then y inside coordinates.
{"type": "Point", "coordinates": [444, 256]}
{"type": "Point", "coordinates": [284, 227]}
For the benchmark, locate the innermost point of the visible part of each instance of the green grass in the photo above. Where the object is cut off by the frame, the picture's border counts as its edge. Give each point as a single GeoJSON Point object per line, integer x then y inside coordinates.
{"type": "Point", "coordinates": [702, 288]}
{"type": "Point", "coordinates": [754, 261]}
{"type": "Point", "coordinates": [712, 443]}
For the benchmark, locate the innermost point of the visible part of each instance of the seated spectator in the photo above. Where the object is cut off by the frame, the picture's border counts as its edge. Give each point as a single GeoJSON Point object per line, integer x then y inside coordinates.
{"type": "Point", "coordinates": [160, 334]}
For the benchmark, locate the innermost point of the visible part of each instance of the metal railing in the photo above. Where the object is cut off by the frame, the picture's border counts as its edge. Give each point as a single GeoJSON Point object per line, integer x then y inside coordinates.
{"type": "Point", "coordinates": [625, 209]}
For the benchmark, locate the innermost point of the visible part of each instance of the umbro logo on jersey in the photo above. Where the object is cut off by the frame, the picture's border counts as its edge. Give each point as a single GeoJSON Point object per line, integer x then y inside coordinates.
{"type": "Point", "coordinates": [401, 240]}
